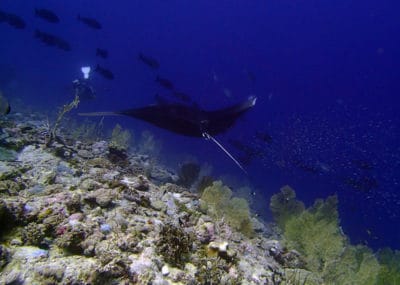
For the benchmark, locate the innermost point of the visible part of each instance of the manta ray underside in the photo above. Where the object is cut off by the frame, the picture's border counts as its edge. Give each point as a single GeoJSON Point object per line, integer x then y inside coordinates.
{"type": "Point", "coordinates": [188, 120]}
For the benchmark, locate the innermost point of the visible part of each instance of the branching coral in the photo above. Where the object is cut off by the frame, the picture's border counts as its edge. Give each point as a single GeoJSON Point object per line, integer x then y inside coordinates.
{"type": "Point", "coordinates": [175, 245]}
{"type": "Point", "coordinates": [316, 234]}
{"type": "Point", "coordinates": [66, 108]}
{"type": "Point", "coordinates": [120, 139]}
{"type": "Point", "coordinates": [216, 201]}
{"type": "Point", "coordinates": [390, 267]}
{"type": "Point", "coordinates": [148, 144]}
{"type": "Point", "coordinates": [284, 205]}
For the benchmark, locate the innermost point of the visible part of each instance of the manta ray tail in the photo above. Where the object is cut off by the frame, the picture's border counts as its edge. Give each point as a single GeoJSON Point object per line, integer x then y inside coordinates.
{"type": "Point", "coordinates": [209, 137]}
{"type": "Point", "coordinates": [93, 114]}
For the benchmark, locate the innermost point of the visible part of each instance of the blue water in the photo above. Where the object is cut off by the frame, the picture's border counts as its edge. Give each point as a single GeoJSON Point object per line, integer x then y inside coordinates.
{"type": "Point", "coordinates": [325, 73]}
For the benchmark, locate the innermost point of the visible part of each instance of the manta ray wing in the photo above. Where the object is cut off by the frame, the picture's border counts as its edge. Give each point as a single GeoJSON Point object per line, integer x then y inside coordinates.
{"type": "Point", "coordinates": [220, 121]}
{"type": "Point", "coordinates": [187, 120]}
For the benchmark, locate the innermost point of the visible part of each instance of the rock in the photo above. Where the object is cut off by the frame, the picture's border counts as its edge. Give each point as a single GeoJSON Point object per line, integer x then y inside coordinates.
{"type": "Point", "coordinates": [139, 182]}
{"type": "Point", "coordinates": [85, 154]}
{"type": "Point", "coordinates": [205, 231]}
{"type": "Point", "coordinates": [220, 249]}
{"type": "Point", "coordinates": [99, 148]}
{"type": "Point", "coordinates": [5, 256]}
{"type": "Point", "coordinates": [165, 270]}
{"type": "Point", "coordinates": [102, 197]}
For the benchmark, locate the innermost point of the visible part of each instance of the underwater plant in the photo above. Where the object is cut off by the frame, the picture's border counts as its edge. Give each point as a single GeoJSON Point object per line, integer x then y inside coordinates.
{"type": "Point", "coordinates": [65, 109]}
{"type": "Point", "coordinates": [148, 144]}
{"type": "Point", "coordinates": [284, 205]}
{"type": "Point", "coordinates": [217, 202]}
{"type": "Point", "coordinates": [389, 272]}
{"type": "Point", "coordinates": [120, 139]}
{"type": "Point", "coordinates": [316, 234]}
{"type": "Point", "coordinates": [175, 245]}
{"type": "Point", "coordinates": [86, 131]}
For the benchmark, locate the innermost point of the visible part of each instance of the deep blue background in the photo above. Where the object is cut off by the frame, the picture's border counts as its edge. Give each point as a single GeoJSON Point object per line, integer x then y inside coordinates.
{"type": "Point", "coordinates": [326, 74]}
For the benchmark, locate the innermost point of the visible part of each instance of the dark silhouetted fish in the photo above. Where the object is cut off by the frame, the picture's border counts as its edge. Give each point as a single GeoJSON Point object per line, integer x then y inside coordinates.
{"type": "Point", "coordinates": [151, 62]}
{"type": "Point", "coordinates": [363, 164]}
{"type": "Point", "coordinates": [83, 89]}
{"type": "Point", "coordinates": [167, 84]}
{"type": "Point", "coordinates": [263, 136]}
{"type": "Point", "coordinates": [90, 22]}
{"type": "Point", "coordinates": [363, 183]}
{"type": "Point", "coordinates": [104, 72]}
{"type": "Point", "coordinates": [12, 19]}
{"type": "Point", "coordinates": [188, 120]}
{"type": "Point", "coordinates": [3, 17]}
{"type": "Point", "coordinates": [47, 15]}
{"type": "Point", "coordinates": [248, 152]}
{"type": "Point", "coordinates": [101, 53]}
{"type": "Point", "coordinates": [182, 96]}
{"type": "Point", "coordinates": [306, 166]}
{"type": "Point", "coordinates": [4, 105]}
{"type": "Point", "coordinates": [52, 40]}
{"type": "Point", "coordinates": [250, 75]}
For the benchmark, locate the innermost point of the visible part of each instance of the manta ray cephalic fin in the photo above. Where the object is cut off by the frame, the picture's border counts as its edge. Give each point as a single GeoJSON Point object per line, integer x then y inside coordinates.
{"type": "Point", "coordinates": [209, 137]}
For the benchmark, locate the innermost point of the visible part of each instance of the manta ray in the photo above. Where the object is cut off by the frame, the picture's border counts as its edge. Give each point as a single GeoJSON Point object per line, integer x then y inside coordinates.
{"type": "Point", "coordinates": [188, 120]}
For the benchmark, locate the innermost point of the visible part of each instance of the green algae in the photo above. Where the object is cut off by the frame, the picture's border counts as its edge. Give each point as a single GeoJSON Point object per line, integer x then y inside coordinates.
{"type": "Point", "coordinates": [7, 154]}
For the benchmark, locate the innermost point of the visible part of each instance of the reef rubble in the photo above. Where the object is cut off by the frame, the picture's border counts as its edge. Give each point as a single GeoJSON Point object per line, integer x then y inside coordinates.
{"type": "Point", "coordinates": [72, 214]}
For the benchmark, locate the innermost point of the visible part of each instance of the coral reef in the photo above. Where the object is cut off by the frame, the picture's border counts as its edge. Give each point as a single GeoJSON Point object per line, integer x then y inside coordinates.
{"type": "Point", "coordinates": [216, 201]}
{"type": "Point", "coordinates": [65, 109]}
{"type": "Point", "coordinates": [120, 139]}
{"type": "Point", "coordinates": [316, 234]}
{"type": "Point", "coordinates": [284, 205]}
{"type": "Point", "coordinates": [70, 214]}
{"type": "Point", "coordinates": [390, 266]}
{"type": "Point", "coordinates": [175, 245]}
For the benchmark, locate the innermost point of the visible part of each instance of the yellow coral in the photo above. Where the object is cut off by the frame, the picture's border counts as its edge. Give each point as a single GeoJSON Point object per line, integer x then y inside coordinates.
{"type": "Point", "coordinates": [216, 201]}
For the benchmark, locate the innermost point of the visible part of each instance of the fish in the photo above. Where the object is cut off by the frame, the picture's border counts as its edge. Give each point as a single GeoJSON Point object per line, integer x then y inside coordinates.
{"type": "Point", "coordinates": [83, 89]}
{"type": "Point", "coordinates": [263, 137]}
{"type": "Point", "coordinates": [90, 22]}
{"type": "Point", "coordinates": [3, 16]}
{"type": "Point", "coordinates": [363, 183]}
{"type": "Point", "coordinates": [106, 73]}
{"type": "Point", "coordinates": [149, 61]}
{"type": "Point", "coordinates": [4, 105]}
{"type": "Point", "coordinates": [248, 152]}
{"type": "Point", "coordinates": [102, 53]}
{"type": "Point", "coordinates": [182, 96]}
{"type": "Point", "coordinates": [13, 20]}
{"type": "Point", "coordinates": [188, 120]}
{"type": "Point", "coordinates": [52, 40]}
{"type": "Point", "coordinates": [250, 75]}
{"type": "Point", "coordinates": [363, 164]}
{"type": "Point", "coordinates": [47, 15]}
{"type": "Point", "coordinates": [166, 83]}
